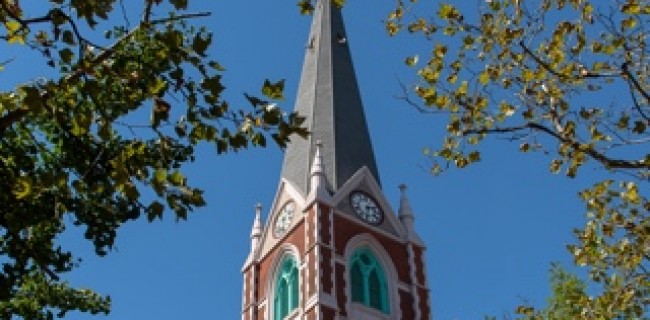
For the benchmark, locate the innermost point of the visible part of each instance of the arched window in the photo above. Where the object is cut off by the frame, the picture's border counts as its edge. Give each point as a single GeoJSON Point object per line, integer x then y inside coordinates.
{"type": "Point", "coordinates": [367, 281]}
{"type": "Point", "coordinates": [286, 289]}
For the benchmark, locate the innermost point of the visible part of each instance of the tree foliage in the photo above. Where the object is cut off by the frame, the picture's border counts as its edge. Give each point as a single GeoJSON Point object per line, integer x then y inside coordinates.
{"type": "Point", "coordinates": [72, 151]}
{"type": "Point", "coordinates": [569, 78]}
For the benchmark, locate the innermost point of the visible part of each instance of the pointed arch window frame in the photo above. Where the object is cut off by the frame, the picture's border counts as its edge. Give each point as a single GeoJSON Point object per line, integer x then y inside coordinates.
{"type": "Point", "coordinates": [286, 288]}
{"type": "Point", "coordinates": [368, 281]}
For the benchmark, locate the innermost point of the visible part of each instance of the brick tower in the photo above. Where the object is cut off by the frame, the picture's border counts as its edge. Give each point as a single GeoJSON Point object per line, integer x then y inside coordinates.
{"type": "Point", "coordinates": [333, 247]}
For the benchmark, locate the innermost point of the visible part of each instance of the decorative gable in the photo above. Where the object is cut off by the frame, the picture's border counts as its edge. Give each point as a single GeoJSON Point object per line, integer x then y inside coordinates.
{"type": "Point", "coordinates": [364, 181]}
{"type": "Point", "coordinates": [286, 194]}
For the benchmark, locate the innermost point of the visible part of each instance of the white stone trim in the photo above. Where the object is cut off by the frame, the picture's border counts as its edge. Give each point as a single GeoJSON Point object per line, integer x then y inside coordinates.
{"type": "Point", "coordinates": [285, 192]}
{"type": "Point", "coordinates": [426, 281]}
{"type": "Point", "coordinates": [414, 282]}
{"type": "Point", "coordinates": [330, 217]}
{"type": "Point", "coordinates": [243, 296]}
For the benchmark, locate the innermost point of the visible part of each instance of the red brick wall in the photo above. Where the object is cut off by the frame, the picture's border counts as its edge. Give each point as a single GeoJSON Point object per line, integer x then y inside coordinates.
{"type": "Point", "coordinates": [423, 295]}
{"type": "Point", "coordinates": [328, 313]}
{"type": "Point", "coordinates": [345, 230]}
{"type": "Point", "coordinates": [296, 238]}
{"type": "Point", "coordinates": [311, 226]}
{"type": "Point", "coordinates": [406, 305]}
{"type": "Point", "coordinates": [419, 264]}
{"type": "Point", "coordinates": [325, 224]}
{"type": "Point", "coordinates": [326, 266]}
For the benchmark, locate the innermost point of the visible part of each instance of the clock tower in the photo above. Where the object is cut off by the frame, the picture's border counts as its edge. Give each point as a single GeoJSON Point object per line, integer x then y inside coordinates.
{"type": "Point", "coordinates": [332, 246]}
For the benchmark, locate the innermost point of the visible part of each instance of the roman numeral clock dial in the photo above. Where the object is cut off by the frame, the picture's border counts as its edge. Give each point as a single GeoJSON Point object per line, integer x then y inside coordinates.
{"type": "Point", "coordinates": [283, 221]}
{"type": "Point", "coordinates": [366, 208]}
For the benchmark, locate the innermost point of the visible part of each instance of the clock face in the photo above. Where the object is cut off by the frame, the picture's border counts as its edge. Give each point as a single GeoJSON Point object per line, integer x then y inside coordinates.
{"type": "Point", "coordinates": [366, 208]}
{"type": "Point", "coordinates": [283, 221]}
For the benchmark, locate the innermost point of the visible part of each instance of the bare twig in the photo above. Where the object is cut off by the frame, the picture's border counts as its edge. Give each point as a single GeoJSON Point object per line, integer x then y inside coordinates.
{"type": "Point", "coordinates": [146, 16]}
{"type": "Point", "coordinates": [576, 145]}
{"type": "Point", "coordinates": [635, 83]}
{"type": "Point", "coordinates": [406, 98]}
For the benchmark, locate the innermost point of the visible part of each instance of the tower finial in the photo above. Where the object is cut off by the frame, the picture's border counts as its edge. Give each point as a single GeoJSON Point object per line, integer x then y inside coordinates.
{"type": "Point", "coordinates": [319, 185]}
{"type": "Point", "coordinates": [405, 215]}
{"type": "Point", "coordinates": [256, 232]}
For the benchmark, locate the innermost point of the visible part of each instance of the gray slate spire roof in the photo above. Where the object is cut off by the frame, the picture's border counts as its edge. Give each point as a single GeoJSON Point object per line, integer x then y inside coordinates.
{"type": "Point", "coordinates": [328, 96]}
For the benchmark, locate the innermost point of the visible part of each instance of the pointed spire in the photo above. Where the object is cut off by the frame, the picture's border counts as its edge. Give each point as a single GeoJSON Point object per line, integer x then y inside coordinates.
{"type": "Point", "coordinates": [256, 236]}
{"type": "Point", "coordinates": [319, 186]}
{"type": "Point", "coordinates": [328, 96]}
{"type": "Point", "coordinates": [256, 232]}
{"type": "Point", "coordinates": [405, 215]}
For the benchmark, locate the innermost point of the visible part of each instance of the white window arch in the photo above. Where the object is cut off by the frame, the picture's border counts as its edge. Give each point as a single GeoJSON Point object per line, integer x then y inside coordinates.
{"type": "Point", "coordinates": [283, 283]}
{"type": "Point", "coordinates": [387, 305]}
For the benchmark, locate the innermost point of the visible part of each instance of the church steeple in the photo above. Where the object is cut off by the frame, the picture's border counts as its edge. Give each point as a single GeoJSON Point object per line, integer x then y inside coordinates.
{"type": "Point", "coordinates": [328, 96]}
{"type": "Point", "coordinates": [332, 247]}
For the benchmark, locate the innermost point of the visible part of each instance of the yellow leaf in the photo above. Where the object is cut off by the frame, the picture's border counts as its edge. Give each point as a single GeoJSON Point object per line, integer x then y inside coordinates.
{"type": "Point", "coordinates": [628, 23]}
{"type": "Point", "coordinates": [484, 77]}
{"type": "Point", "coordinates": [411, 61]}
{"type": "Point", "coordinates": [632, 193]}
{"type": "Point", "coordinates": [631, 8]}
{"type": "Point", "coordinates": [14, 33]}
{"type": "Point", "coordinates": [12, 26]}
{"type": "Point", "coordinates": [22, 188]}
{"type": "Point", "coordinates": [462, 90]}
{"type": "Point", "coordinates": [527, 75]}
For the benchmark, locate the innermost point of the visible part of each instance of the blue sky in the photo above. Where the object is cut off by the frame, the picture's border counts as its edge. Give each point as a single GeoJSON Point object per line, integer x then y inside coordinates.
{"type": "Point", "coordinates": [492, 230]}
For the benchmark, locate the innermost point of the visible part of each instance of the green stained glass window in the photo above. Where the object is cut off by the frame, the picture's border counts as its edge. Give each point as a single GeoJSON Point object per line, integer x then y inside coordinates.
{"type": "Point", "coordinates": [374, 290]}
{"type": "Point", "coordinates": [356, 278]}
{"type": "Point", "coordinates": [286, 295]}
{"type": "Point", "coordinates": [367, 281]}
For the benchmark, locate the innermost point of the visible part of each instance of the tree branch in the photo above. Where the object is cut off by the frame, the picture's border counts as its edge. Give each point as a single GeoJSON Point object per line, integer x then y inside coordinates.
{"type": "Point", "coordinates": [410, 102]}
{"type": "Point", "coordinates": [582, 75]}
{"type": "Point", "coordinates": [635, 83]}
{"type": "Point", "coordinates": [109, 51]}
{"type": "Point", "coordinates": [12, 117]}
{"type": "Point", "coordinates": [589, 150]}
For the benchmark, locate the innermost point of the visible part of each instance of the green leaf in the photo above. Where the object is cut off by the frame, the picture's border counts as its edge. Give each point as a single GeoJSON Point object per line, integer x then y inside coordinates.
{"type": "Point", "coordinates": [159, 112]}
{"type": "Point", "coordinates": [155, 211]}
{"type": "Point", "coordinates": [201, 43]}
{"type": "Point", "coordinates": [160, 176]}
{"type": "Point", "coordinates": [216, 66]}
{"type": "Point", "coordinates": [177, 179]}
{"type": "Point", "coordinates": [213, 85]}
{"type": "Point", "coordinates": [68, 37]}
{"type": "Point", "coordinates": [81, 122]}
{"type": "Point", "coordinates": [639, 127]}
{"type": "Point", "coordinates": [273, 90]}
{"type": "Point", "coordinates": [179, 4]}
{"type": "Point", "coordinates": [305, 7]}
